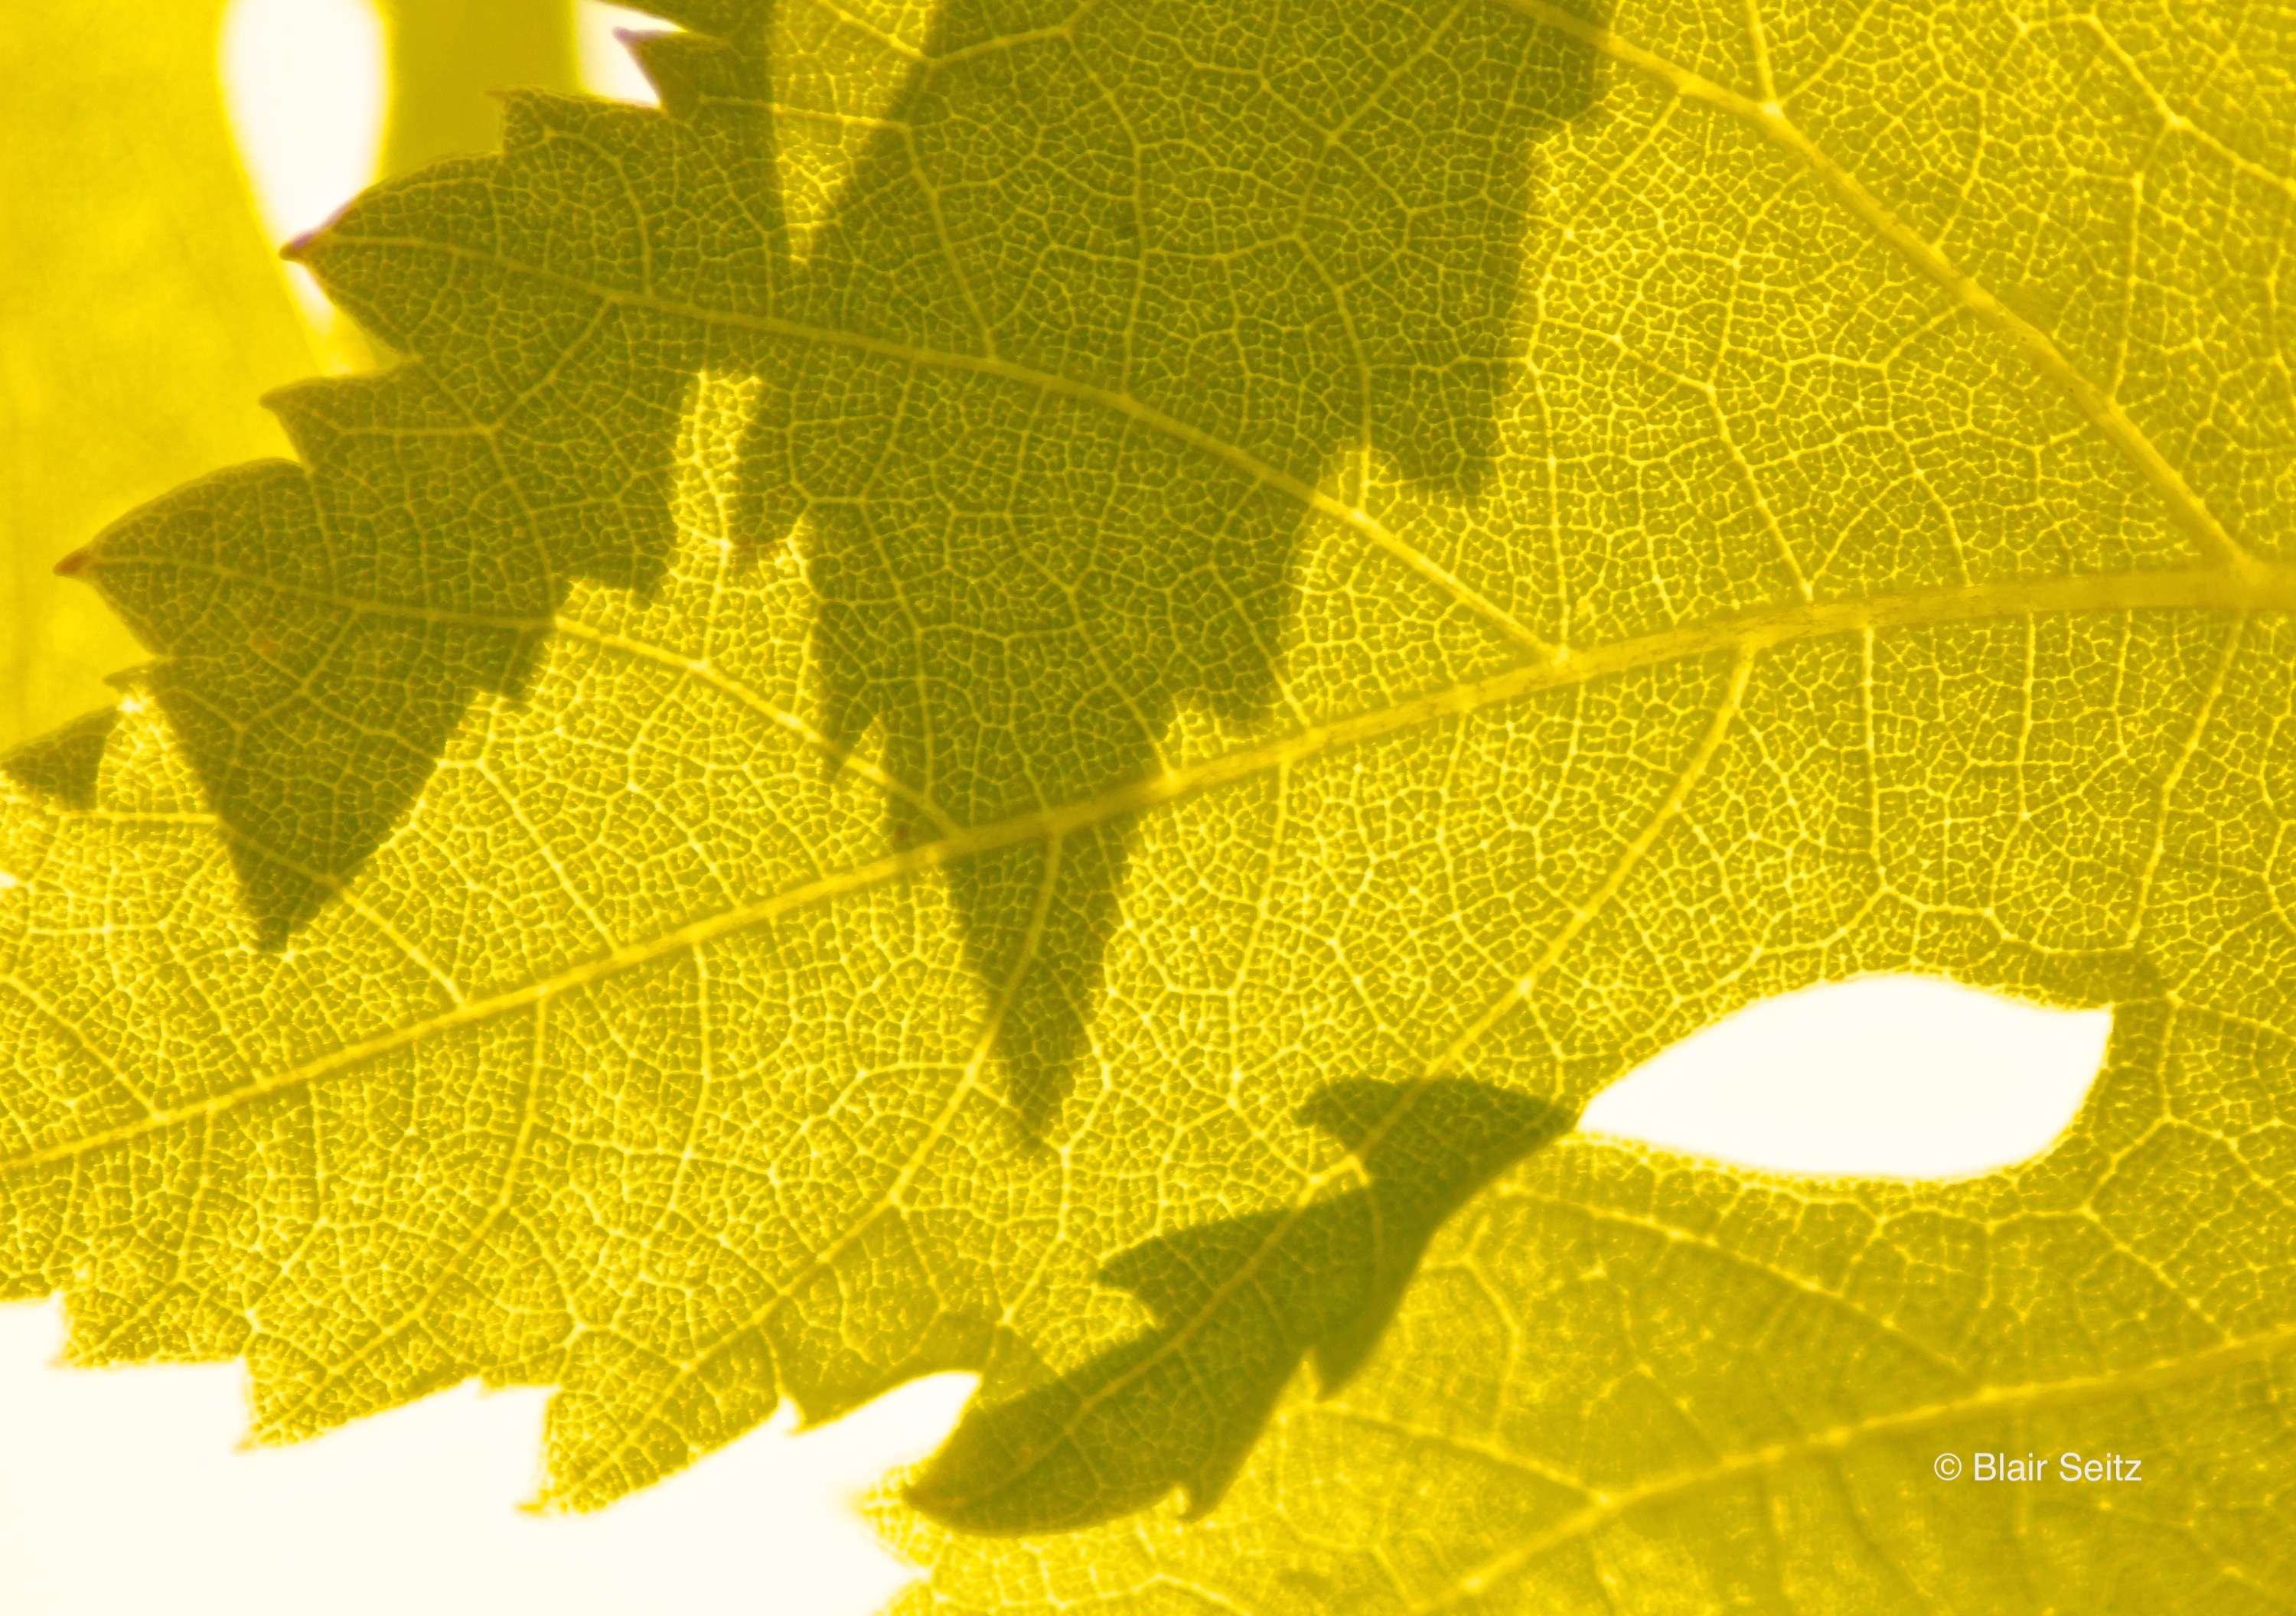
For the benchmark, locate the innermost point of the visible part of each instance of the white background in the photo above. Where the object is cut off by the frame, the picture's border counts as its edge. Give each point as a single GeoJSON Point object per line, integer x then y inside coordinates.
{"type": "Point", "coordinates": [126, 1490]}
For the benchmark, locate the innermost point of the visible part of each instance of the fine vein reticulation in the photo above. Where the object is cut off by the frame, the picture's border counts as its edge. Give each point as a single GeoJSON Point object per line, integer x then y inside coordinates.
{"type": "Point", "coordinates": [1039, 688]}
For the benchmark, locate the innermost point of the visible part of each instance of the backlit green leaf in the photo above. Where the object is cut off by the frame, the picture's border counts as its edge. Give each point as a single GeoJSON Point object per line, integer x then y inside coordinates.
{"type": "Point", "coordinates": [1027, 684]}
{"type": "Point", "coordinates": [1629, 1380]}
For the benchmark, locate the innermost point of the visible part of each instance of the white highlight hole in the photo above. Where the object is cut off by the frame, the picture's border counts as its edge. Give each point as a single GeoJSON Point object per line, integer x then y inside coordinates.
{"type": "Point", "coordinates": [607, 67]}
{"type": "Point", "coordinates": [121, 1490]}
{"type": "Point", "coordinates": [411, 1510]}
{"type": "Point", "coordinates": [1892, 1076]}
{"type": "Point", "coordinates": [305, 83]}
{"type": "Point", "coordinates": [304, 80]}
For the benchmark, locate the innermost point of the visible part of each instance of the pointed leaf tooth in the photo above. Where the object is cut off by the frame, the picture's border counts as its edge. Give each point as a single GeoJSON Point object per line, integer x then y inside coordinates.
{"type": "Point", "coordinates": [687, 69]}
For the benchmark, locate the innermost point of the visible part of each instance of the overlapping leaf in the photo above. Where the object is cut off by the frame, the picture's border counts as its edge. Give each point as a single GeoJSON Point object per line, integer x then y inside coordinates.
{"type": "Point", "coordinates": [140, 314]}
{"type": "Point", "coordinates": [146, 313]}
{"type": "Point", "coordinates": [1627, 1380]}
{"type": "Point", "coordinates": [447, 61]}
{"type": "Point", "coordinates": [1015, 646]}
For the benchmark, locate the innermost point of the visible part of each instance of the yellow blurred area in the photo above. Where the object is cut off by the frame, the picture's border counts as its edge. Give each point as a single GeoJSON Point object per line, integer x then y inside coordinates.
{"type": "Point", "coordinates": [144, 310]}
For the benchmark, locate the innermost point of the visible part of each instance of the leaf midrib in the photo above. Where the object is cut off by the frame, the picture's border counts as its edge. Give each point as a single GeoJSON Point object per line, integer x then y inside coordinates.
{"type": "Point", "coordinates": [2238, 582]}
{"type": "Point", "coordinates": [1768, 118]}
{"type": "Point", "coordinates": [1352, 517]}
{"type": "Point", "coordinates": [2263, 588]}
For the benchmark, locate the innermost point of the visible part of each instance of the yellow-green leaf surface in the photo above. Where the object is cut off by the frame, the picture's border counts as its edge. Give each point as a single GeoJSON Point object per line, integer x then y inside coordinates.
{"type": "Point", "coordinates": [1627, 1380]}
{"type": "Point", "coordinates": [141, 312]}
{"type": "Point", "coordinates": [145, 313]}
{"type": "Point", "coordinates": [1040, 687]}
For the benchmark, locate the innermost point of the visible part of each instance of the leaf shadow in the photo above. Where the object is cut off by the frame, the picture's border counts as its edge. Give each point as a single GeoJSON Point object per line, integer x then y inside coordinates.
{"type": "Point", "coordinates": [1109, 287]}
{"type": "Point", "coordinates": [61, 766]}
{"type": "Point", "coordinates": [1239, 1304]}
{"type": "Point", "coordinates": [1291, 229]}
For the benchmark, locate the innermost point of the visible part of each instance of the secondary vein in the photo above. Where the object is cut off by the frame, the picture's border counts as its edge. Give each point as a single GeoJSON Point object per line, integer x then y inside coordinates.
{"type": "Point", "coordinates": [1768, 118]}
{"type": "Point", "coordinates": [2269, 588]}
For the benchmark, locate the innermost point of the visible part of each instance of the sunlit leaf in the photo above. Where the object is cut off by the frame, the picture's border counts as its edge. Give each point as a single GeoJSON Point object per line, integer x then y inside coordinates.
{"type": "Point", "coordinates": [1023, 688]}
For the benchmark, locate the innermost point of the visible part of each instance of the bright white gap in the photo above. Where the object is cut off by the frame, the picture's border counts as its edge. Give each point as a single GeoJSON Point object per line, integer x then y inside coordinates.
{"type": "Point", "coordinates": [306, 83]}
{"type": "Point", "coordinates": [124, 1491]}
{"type": "Point", "coordinates": [304, 80]}
{"type": "Point", "coordinates": [1899, 1076]}
{"type": "Point", "coordinates": [1903, 1077]}
{"type": "Point", "coordinates": [607, 67]}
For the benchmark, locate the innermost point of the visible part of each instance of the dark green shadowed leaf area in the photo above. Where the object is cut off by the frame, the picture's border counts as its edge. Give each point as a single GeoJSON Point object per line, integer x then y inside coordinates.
{"type": "Point", "coordinates": [63, 763]}
{"type": "Point", "coordinates": [1104, 303]}
{"type": "Point", "coordinates": [1240, 1305]}
{"type": "Point", "coordinates": [1033, 688]}
{"type": "Point", "coordinates": [283, 672]}
{"type": "Point", "coordinates": [1295, 228]}
{"type": "Point", "coordinates": [141, 311]}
